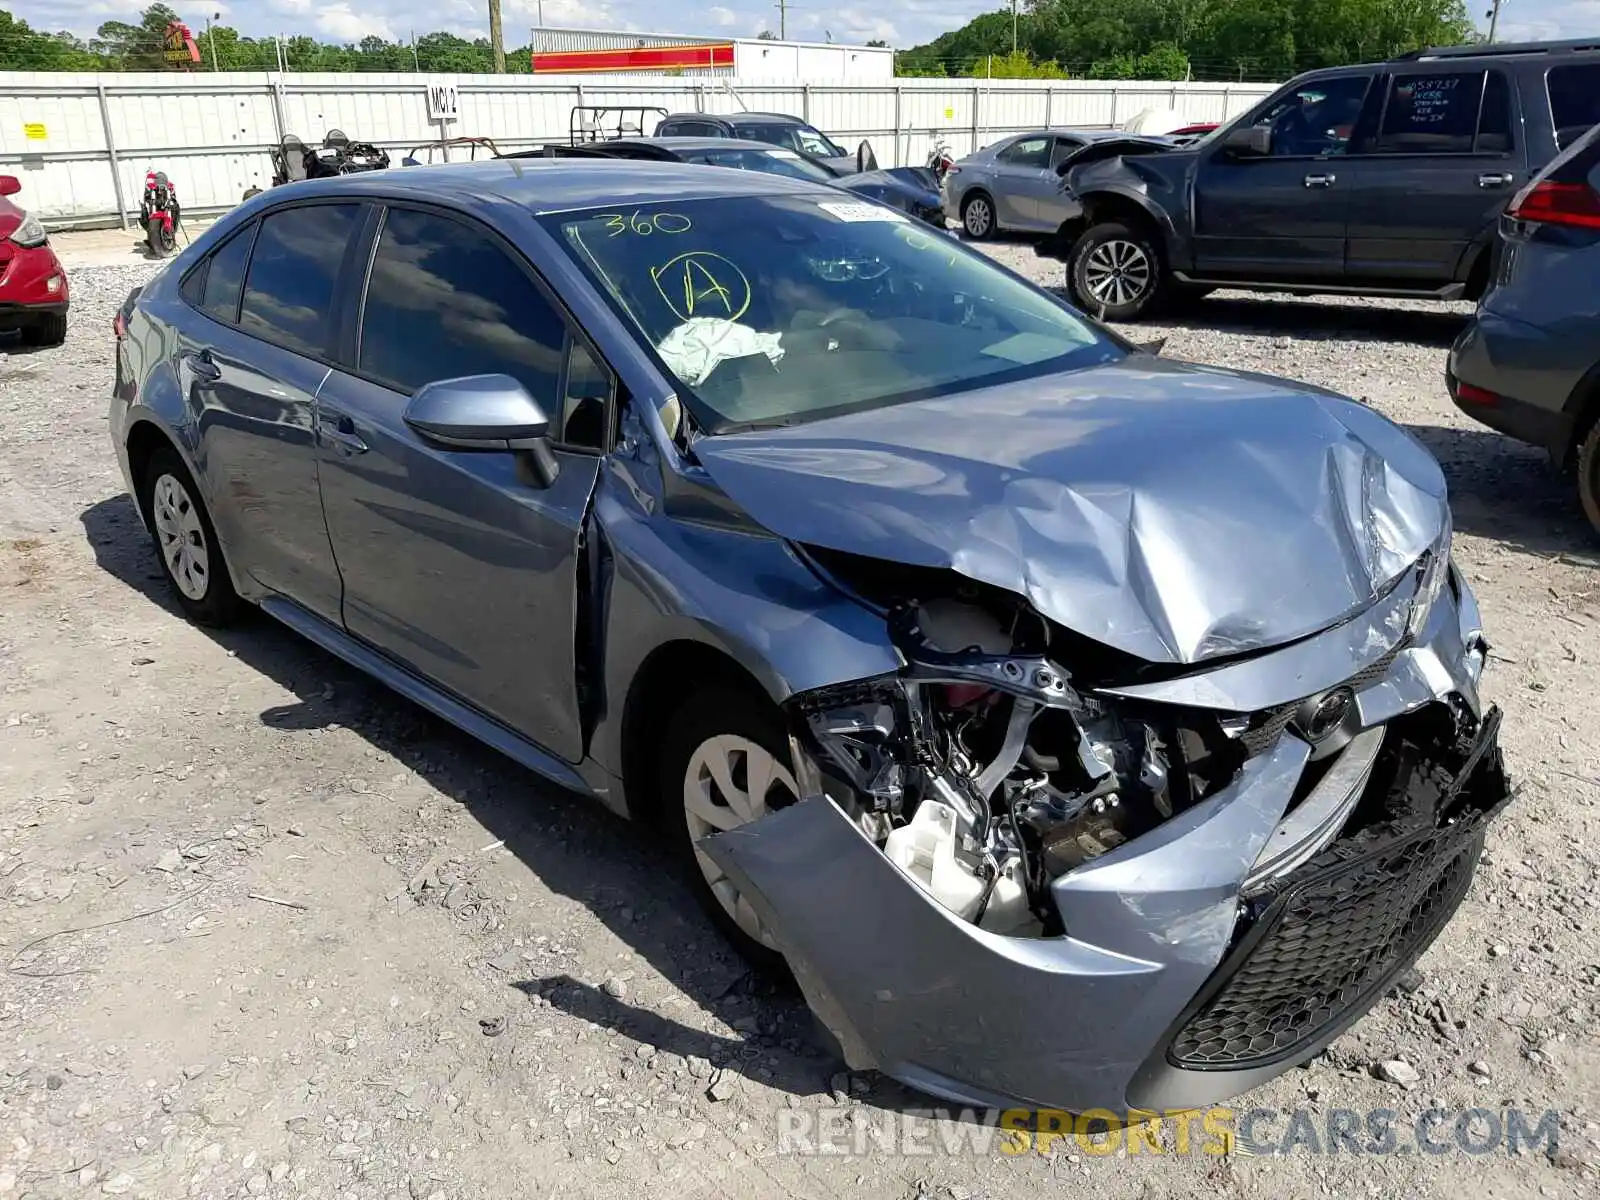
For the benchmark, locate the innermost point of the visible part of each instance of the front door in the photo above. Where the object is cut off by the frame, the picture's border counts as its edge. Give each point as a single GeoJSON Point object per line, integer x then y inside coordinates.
{"type": "Point", "coordinates": [1282, 216]}
{"type": "Point", "coordinates": [455, 563]}
{"type": "Point", "coordinates": [1432, 183]}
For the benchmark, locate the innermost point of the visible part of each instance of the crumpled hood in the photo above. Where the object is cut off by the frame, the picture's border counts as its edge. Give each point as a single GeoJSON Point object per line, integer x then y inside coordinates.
{"type": "Point", "coordinates": [1174, 512]}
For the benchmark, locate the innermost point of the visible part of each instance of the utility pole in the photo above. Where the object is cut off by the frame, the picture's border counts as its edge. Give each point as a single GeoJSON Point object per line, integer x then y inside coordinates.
{"type": "Point", "coordinates": [416, 63]}
{"type": "Point", "coordinates": [1494, 18]}
{"type": "Point", "coordinates": [1013, 28]}
{"type": "Point", "coordinates": [497, 40]}
{"type": "Point", "coordinates": [212, 38]}
{"type": "Point", "coordinates": [783, 20]}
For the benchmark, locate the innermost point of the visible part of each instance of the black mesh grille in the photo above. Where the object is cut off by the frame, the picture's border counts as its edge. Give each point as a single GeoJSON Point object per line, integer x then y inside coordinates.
{"type": "Point", "coordinates": [1330, 935]}
{"type": "Point", "coordinates": [1267, 725]}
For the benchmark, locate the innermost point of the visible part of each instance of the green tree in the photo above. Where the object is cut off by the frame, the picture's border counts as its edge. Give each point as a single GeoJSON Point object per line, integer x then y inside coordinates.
{"type": "Point", "coordinates": [135, 47]}
{"type": "Point", "coordinates": [1013, 66]}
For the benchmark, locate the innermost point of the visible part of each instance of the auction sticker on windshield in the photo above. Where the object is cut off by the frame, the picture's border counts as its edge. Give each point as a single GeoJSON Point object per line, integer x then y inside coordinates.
{"type": "Point", "coordinates": [861, 212]}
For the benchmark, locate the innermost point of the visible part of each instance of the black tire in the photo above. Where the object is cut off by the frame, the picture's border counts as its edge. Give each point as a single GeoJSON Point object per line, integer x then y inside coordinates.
{"type": "Point", "coordinates": [48, 329]}
{"type": "Point", "coordinates": [161, 240]}
{"type": "Point", "coordinates": [206, 596]}
{"type": "Point", "coordinates": [973, 207]}
{"type": "Point", "coordinates": [717, 710]}
{"type": "Point", "coordinates": [1589, 475]}
{"type": "Point", "coordinates": [1116, 272]}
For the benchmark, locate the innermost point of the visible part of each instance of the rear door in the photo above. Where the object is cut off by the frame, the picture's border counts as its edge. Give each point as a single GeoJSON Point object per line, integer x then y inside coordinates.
{"type": "Point", "coordinates": [1282, 217]}
{"type": "Point", "coordinates": [454, 563]}
{"type": "Point", "coordinates": [251, 358]}
{"type": "Point", "coordinates": [1431, 180]}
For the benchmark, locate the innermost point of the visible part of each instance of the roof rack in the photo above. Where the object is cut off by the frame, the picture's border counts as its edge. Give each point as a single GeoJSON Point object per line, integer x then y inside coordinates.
{"type": "Point", "coordinates": [1497, 49]}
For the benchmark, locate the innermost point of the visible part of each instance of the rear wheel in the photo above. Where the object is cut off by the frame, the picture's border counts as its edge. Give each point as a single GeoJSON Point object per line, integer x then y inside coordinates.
{"type": "Point", "coordinates": [725, 763]}
{"type": "Point", "coordinates": [47, 329]}
{"type": "Point", "coordinates": [1115, 271]}
{"type": "Point", "coordinates": [1589, 475]}
{"type": "Point", "coordinates": [186, 541]}
{"type": "Point", "coordinates": [977, 216]}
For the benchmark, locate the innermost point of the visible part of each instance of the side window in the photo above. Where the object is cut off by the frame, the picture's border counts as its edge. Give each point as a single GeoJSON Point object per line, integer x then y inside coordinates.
{"type": "Point", "coordinates": [773, 135]}
{"type": "Point", "coordinates": [809, 141]}
{"type": "Point", "coordinates": [288, 294]}
{"type": "Point", "coordinates": [586, 398]}
{"type": "Point", "coordinates": [1574, 100]}
{"type": "Point", "coordinates": [1431, 114]}
{"type": "Point", "coordinates": [1063, 147]}
{"type": "Point", "coordinates": [445, 300]}
{"type": "Point", "coordinates": [1027, 152]}
{"type": "Point", "coordinates": [1318, 117]}
{"type": "Point", "coordinates": [1494, 120]}
{"type": "Point", "coordinates": [214, 287]}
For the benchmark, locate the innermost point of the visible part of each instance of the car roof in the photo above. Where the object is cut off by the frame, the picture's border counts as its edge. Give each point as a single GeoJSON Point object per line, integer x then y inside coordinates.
{"type": "Point", "coordinates": [689, 145]}
{"type": "Point", "coordinates": [740, 118]}
{"type": "Point", "coordinates": [550, 185]}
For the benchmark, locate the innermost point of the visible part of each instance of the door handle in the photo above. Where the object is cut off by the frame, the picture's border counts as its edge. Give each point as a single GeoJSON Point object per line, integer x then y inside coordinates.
{"type": "Point", "coordinates": [204, 366]}
{"type": "Point", "coordinates": [1493, 181]}
{"type": "Point", "coordinates": [1320, 181]}
{"type": "Point", "coordinates": [342, 436]}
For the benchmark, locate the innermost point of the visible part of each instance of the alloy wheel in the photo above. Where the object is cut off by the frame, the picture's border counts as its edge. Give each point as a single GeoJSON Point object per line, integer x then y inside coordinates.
{"type": "Point", "coordinates": [731, 781]}
{"type": "Point", "coordinates": [183, 537]}
{"type": "Point", "coordinates": [978, 217]}
{"type": "Point", "coordinates": [1118, 272]}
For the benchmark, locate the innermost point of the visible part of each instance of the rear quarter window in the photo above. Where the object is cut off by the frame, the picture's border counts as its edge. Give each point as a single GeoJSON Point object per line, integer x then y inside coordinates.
{"type": "Point", "coordinates": [1574, 100]}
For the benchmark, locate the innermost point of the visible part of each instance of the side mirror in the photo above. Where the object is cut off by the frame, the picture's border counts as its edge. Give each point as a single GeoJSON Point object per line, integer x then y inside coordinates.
{"type": "Point", "coordinates": [485, 412]}
{"type": "Point", "coordinates": [10, 185]}
{"type": "Point", "coordinates": [1248, 141]}
{"type": "Point", "coordinates": [866, 160]}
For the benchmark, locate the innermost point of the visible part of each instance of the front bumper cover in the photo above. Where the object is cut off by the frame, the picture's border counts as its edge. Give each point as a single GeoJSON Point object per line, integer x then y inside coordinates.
{"type": "Point", "coordinates": [1163, 933]}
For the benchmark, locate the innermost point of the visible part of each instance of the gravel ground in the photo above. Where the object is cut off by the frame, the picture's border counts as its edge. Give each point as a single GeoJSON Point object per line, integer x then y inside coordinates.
{"type": "Point", "coordinates": [272, 931]}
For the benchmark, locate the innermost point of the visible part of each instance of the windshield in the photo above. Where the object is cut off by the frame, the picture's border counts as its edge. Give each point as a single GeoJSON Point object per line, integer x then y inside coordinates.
{"type": "Point", "coordinates": [775, 310]}
{"type": "Point", "coordinates": [794, 137]}
{"type": "Point", "coordinates": [774, 162]}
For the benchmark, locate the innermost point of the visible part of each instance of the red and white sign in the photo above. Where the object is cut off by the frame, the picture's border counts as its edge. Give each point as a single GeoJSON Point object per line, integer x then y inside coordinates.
{"type": "Point", "coordinates": [640, 58]}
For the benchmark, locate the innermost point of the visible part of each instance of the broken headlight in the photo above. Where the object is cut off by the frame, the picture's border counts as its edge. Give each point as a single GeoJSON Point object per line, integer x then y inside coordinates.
{"type": "Point", "coordinates": [1435, 569]}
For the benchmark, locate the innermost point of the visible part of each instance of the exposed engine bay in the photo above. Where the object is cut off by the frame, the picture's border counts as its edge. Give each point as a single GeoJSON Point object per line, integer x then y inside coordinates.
{"type": "Point", "coordinates": [985, 770]}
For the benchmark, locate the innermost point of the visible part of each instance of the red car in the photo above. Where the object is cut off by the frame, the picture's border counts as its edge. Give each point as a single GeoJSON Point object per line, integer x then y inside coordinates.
{"type": "Point", "coordinates": [33, 287]}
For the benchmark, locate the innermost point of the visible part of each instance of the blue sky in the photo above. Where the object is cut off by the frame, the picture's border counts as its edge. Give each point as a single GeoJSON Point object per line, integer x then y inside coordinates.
{"type": "Point", "coordinates": [900, 22]}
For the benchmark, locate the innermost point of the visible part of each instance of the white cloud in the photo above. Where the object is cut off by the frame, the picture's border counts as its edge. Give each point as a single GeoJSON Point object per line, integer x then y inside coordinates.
{"type": "Point", "coordinates": [342, 24]}
{"type": "Point", "coordinates": [722, 16]}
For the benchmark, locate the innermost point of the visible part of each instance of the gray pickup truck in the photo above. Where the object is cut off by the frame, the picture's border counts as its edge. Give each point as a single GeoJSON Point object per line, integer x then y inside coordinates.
{"type": "Point", "coordinates": [1379, 180]}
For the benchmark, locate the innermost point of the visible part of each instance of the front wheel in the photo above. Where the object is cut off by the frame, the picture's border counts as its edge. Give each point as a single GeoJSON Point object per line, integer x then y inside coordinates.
{"type": "Point", "coordinates": [47, 330]}
{"type": "Point", "coordinates": [725, 763]}
{"type": "Point", "coordinates": [160, 237]}
{"type": "Point", "coordinates": [1115, 273]}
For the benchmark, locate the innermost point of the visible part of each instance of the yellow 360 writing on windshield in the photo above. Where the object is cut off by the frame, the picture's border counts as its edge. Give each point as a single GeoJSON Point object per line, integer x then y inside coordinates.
{"type": "Point", "coordinates": [617, 224]}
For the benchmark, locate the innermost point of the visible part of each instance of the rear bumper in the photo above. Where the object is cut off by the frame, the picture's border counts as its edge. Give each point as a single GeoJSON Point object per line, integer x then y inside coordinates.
{"type": "Point", "coordinates": [32, 282]}
{"type": "Point", "coordinates": [1517, 380]}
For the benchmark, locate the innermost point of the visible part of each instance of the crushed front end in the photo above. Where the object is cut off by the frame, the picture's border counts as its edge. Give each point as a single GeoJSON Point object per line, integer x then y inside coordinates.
{"type": "Point", "coordinates": [1027, 868]}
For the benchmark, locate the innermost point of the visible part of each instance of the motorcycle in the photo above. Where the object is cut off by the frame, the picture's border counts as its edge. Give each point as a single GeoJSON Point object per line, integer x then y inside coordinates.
{"type": "Point", "coordinates": [940, 160]}
{"type": "Point", "coordinates": [293, 160]}
{"type": "Point", "coordinates": [159, 213]}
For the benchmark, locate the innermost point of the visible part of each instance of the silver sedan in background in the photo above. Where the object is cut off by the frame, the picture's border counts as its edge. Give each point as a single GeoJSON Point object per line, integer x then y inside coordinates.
{"type": "Point", "coordinates": [1012, 185]}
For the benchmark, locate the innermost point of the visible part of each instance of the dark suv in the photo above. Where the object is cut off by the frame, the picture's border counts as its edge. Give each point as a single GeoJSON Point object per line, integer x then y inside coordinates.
{"type": "Point", "coordinates": [1378, 180]}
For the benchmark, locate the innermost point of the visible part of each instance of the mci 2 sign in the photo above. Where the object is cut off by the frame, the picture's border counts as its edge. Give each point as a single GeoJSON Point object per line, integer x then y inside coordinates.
{"type": "Point", "coordinates": [444, 101]}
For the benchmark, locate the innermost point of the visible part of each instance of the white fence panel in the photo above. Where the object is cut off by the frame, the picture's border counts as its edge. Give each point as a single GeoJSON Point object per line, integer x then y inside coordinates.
{"type": "Point", "coordinates": [82, 142]}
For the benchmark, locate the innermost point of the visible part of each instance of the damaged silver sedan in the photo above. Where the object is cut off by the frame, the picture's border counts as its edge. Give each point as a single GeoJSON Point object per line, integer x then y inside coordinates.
{"type": "Point", "coordinates": [1082, 728]}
